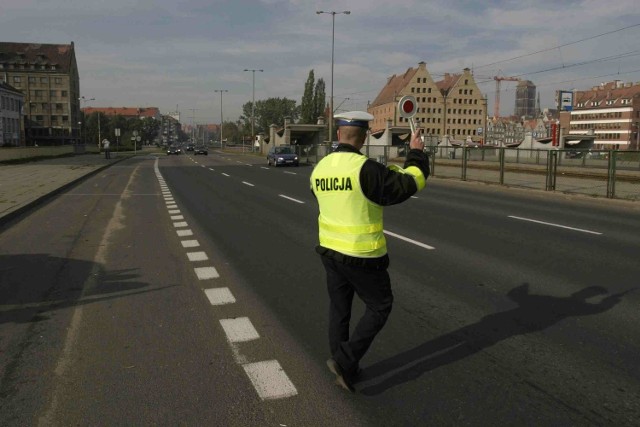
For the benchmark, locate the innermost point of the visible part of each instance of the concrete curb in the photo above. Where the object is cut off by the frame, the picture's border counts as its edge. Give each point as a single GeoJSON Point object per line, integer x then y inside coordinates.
{"type": "Point", "coordinates": [16, 214]}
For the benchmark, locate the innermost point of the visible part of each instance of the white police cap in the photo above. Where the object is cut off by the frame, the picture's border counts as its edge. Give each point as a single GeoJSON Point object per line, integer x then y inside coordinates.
{"type": "Point", "coordinates": [353, 118]}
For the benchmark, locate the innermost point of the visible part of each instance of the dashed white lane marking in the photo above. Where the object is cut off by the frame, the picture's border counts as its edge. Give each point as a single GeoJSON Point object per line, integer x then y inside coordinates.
{"type": "Point", "coordinates": [190, 243]}
{"type": "Point", "coordinates": [406, 239]}
{"type": "Point", "coordinates": [290, 173]}
{"type": "Point", "coordinates": [220, 296]}
{"type": "Point", "coordinates": [174, 211]}
{"type": "Point", "coordinates": [177, 217]}
{"type": "Point", "coordinates": [169, 200]}
{"type": "Point", "coordinates": [248, 183]}
{"type": "Point", "coordinates": [247, 164]}
{"type": "Point", "coordinates": [212, 169]}
{"type": "Point", "coordinates": [197, 256]}
{"type": "Point", "coordinates": [556, 225]}
{"type": "Point", "coordinates": [239, 329]}
{"type": "Point", "coordinates": [172, 206]}
{"type": "Point", "coordinates": [270, 380]}
{"type": "Point", "coordinates": [413, 197]}
{"type": "Point", "coordinates": [184, 233]}
{"type": "Point", "coordinates": [202, 166]}
{"type": "Point", "coordinates": [180, 224]}
{"type": "Point", "coordinates": [291, 198]}
{"type": "Point", "coordinates": [263, 167]}
{"type": "Point", "coordinates": [225, 174]}
{"type": "Point", "coordinates": [206, 273]}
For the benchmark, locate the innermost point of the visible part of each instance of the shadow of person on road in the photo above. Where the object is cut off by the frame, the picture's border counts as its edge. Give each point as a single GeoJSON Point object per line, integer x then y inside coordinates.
{"type": "Point", "coordinates": [34, 285]}
{"type": "Point", "coordinates": [534, 313]}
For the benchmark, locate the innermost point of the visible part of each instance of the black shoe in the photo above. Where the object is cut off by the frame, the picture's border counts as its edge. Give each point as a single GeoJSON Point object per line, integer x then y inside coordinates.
{"type": "Point", "coordinates": [341, 379]}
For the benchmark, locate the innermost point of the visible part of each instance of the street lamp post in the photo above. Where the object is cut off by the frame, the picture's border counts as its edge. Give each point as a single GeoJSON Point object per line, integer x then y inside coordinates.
{"type": "Point", "coordinates": [253, 106]}
{"type": "Point", "coordinates": [333, 31]}
{"type": "Point", "coordinates": [83, 99]}
{"type": "Point", "coordinates": [221, 92]}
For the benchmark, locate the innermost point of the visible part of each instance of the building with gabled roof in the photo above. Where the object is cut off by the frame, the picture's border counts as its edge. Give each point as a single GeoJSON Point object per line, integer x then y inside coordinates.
{"type": "Point", "coordinates": [453, 106]}
{"type": "Point", "coordinates": [47, 75]}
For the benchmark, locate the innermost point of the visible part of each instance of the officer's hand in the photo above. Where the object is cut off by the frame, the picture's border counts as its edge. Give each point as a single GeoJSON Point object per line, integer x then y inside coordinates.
{"type": "Point", "coordinates": [416, 140]}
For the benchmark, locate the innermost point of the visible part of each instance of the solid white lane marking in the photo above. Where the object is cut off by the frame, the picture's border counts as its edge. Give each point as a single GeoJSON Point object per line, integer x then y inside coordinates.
{"type": "Point", "coordinates": [406, 239]}
{"type": "Point", "coordinates": [205, 273]}
{"type": "Point", "coordinates": [292, 199]}
{"type": "Point", "coordinates": [248, 183]}
{"type": "Point", "coordinates": [225, 174]}
{"type": "Point", "coordinates": [197, 256]}
{"type": "Point", "coordinates": [270, 380]}
{"type": "Point", "coordinates": [180, 224]}
{"type": "Point", "coordinates": [177, 217]}
{"type": "Point", "coordinates": [190, 243]}
{"type": "Point", "coordinates": [220, 296]}
{"type": "Point", "coordinates": [290, 173]}
{"type": "Point", "coordinates": [555, 225]}
{"type": "Point", "coordinates": [184, 233]}
{"type": "Point", "coordinates": [174, 211]}
{"type": "Point", "coordinates": [239, 329]}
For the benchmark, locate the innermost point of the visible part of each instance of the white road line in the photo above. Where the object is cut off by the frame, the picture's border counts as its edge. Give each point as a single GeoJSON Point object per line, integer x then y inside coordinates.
{"type": "Point", "coordinates": [212, 169]}
{"type": "Point", "coordinates": [206, 273]}
{"type": "Point", "coordinates": [174, 211]}
{"type": "Point", "coordinates": [197, 256]}
{"type": "Point", "coordinates": [247, 164]}
{"type": "Point", "coordinates": [555, 225]}
{"type": "Point", "coordinates": [190, 243]}
{"type": "Point", "coordinates": [248, 183]}
{"type": "Point", "coordinates": [225, 174]}
{"type": "Point", "coordinates": [239, 329]}
{"type": "Point", "coordinates": [406, 239]}
{"type": "Point", "coordinates": [290, 173]}
{"type": "Point", "coordinates": [177, 217]}
{"type": "Point", "coordinates": [180, 224]}
{"type": "Point", "coordinates": [262, 167]}
{"type": "Point", "coordinates": [184, 233]}
{"type": "Point", "coordinates": [413, 197]}
{"type": "Point", "coordinates": [220, 296]}
{"type": "Point", "coordinates": [270, 380]}
{"type": "Point", "coordinates": [172, 206]}
{"type": "Point", "coordinates": [292, 199]}
{"type": "Point", "coordinates": [202, 166]}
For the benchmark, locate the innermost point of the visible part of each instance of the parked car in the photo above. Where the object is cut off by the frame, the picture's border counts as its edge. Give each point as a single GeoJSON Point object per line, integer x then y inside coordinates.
{"type": "Point", "coordinates": [201, 149]}
{"type": "Point", "coordinates": [174, 150]}
{"type": "Point", "coordinates": [282, 155]}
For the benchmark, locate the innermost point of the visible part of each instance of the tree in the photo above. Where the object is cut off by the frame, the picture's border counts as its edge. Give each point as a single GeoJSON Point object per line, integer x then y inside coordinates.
{"type": "Point", "coordinates": [268, 112]}
{"type": "Point", "coordinates": [319, 101]}
{"type": "Point", "coordinates": [307, 106]}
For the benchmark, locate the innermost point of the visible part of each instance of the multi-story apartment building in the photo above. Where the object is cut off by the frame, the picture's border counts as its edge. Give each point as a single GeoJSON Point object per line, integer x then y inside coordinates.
{"type": "Point", "coordinates": [612, 111]}
{"type": "Point", "coordinates": [453, 106]}
{"type": "Point", "coordinates": [11, 102]}
{"type": "Point", "coordinates": [126, 112]}
{"type": "Point", "coordinates": [47, 74]}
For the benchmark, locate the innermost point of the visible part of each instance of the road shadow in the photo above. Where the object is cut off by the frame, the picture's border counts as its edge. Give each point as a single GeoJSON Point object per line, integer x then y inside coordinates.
{"type": "Point", "coordinates": [34, 285]}
{"type": "Point", "coordinates": [533, 313]}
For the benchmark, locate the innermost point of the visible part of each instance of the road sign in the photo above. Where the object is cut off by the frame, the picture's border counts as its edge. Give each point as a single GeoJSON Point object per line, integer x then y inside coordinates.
{"type": "Point", "coordinates": [117, 130]}
{"type": "Point", "coordinates": [407, 106]}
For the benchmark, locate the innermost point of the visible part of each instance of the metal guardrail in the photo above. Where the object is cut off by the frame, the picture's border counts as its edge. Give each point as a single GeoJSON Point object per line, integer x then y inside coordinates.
{"type": "Point", "coordinates": [598, 173]}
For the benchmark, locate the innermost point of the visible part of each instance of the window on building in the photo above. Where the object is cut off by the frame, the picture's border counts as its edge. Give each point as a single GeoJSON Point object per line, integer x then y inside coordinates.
{"type": "Point", "coordinates": [32, 79]}
{"type": "Point", "coordinates": [17, 79]}
{"type": "Point", "coordinates": [44, 80]}
{"type": "Point", "coordinates": [63, 93]}
{"type": "Point", "coordinates": [57, 80]}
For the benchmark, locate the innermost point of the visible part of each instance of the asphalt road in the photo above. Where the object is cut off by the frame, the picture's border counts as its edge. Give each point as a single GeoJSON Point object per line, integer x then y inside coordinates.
{"type": "Point", "coordinates": [185, 290]}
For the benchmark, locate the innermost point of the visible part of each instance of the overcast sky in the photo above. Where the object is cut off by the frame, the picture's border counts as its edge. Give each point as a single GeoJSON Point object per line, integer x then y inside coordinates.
{"type": "Point", "coordinates": [169, 53]}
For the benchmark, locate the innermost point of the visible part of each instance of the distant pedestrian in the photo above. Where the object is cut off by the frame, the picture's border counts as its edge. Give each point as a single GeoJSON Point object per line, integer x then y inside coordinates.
{"type": "Point", "coordinates": [105, 146]}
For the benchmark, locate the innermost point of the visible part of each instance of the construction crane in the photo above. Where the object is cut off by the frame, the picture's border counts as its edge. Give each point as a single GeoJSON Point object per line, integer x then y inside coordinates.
{"type": "Point", "coordinates": [498, 79]}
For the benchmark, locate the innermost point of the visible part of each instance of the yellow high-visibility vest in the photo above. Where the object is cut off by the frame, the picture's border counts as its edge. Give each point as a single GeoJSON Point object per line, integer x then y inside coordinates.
{"type": "Point", "coordinates": [349, 223]}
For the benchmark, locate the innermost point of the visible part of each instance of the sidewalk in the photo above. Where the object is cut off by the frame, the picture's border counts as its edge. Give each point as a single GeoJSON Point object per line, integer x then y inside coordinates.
{"type": "Point", "coordinates": [25, 185]}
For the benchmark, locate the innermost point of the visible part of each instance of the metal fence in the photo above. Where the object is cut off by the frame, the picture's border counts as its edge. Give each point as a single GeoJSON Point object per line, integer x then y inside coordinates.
{"type": "Point", "coordinates": [606, 173]}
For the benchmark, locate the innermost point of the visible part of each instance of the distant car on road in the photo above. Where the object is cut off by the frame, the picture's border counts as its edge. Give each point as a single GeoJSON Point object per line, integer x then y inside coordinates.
{"type": "Point", "coordinates": [190, 147]}
{"type": "Point", "coordinates": [282, 155]}
{"type": "Point", "coordinates": [201, 149]}
{"type": "Point", "coordinates": [174, 150]}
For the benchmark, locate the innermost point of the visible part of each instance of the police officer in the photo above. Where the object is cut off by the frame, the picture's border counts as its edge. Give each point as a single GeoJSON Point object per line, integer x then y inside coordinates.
{"type": "Point", "coordinates": [351, 191]}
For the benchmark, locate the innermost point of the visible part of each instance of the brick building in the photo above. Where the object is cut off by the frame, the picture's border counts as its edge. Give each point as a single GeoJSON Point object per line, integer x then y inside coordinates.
{"type": "Point", "coordinates": [453, 106]}
{"type": "Point", "coordinates": [47, 75]}
{"type": "Point", "coordinates": [612, 111]}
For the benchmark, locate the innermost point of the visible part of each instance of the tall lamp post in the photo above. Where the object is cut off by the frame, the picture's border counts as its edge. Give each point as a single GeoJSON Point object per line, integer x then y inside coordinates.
{"type": "Point", "coordinates": [83, 99]}
{"type": "Point", "coordinates": [253, 106]}
{"type": "Point", "coordinates": [333, 31]}
{"type": "Point", "coordinates": [221, 92]}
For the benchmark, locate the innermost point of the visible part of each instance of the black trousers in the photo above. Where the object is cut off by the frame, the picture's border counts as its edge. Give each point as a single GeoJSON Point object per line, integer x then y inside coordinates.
{"type": "Point", "coordinates": [373, 287]}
